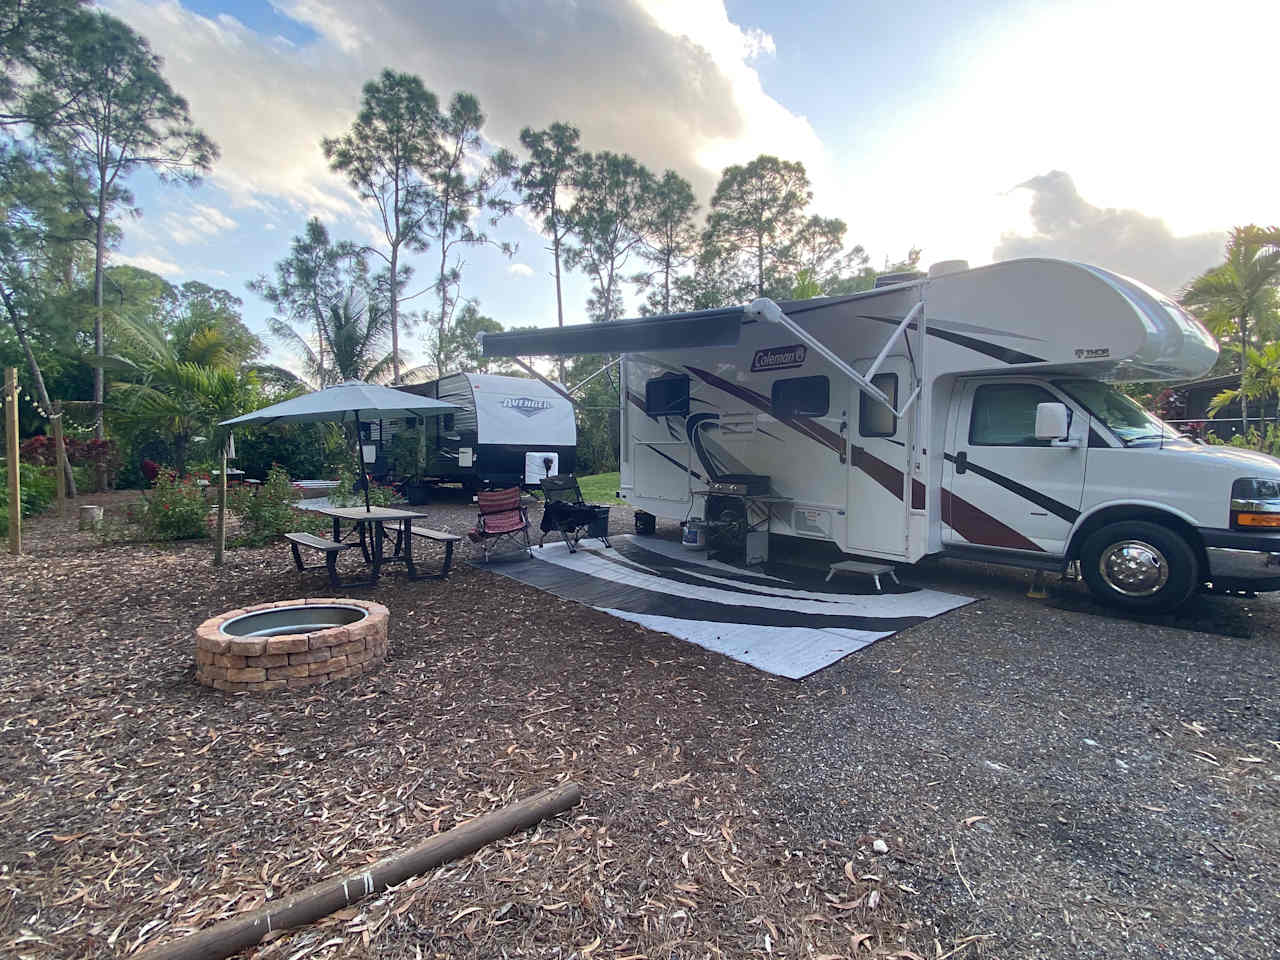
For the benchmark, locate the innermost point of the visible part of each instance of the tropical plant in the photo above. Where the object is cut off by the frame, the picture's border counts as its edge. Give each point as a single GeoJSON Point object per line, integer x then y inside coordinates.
{"type": "Point", "coordinates": [1259, 383]}
{"type": "Point", "coordinates": [355, 337]}
{"type": "Point", "coordinates": [316, 274]}
{"type": "Point", "coordinates": [1241, 291]}
{"type": "Point", "coordinates": [180, 382]}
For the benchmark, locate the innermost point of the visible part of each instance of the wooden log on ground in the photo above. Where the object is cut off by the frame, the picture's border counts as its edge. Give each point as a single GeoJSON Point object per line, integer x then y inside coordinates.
{"type": "Point", "coordinates": [231, 936]}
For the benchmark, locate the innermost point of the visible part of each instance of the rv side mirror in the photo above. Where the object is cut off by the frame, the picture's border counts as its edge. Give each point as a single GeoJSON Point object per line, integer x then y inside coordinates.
{"type": "Point", "coordinates": [1053, 421]}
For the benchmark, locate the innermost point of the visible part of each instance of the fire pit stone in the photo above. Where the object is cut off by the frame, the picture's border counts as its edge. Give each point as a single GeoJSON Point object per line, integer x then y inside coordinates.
{"type": "Point", "coordinates": [290, 643]}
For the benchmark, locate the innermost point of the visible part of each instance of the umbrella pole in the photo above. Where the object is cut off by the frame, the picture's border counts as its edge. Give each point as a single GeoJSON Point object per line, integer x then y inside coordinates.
{"type": "Point", "coordinates": [364, 477]}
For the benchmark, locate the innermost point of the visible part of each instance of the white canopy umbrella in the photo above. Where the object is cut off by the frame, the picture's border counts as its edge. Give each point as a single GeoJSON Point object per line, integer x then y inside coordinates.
{"type": "Point", "coordinates": [346, 402]}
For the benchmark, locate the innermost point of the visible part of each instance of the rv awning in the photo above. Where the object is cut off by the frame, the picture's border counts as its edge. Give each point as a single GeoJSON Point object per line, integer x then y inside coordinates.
{"type": "Point", "coordinates": [702, 328]}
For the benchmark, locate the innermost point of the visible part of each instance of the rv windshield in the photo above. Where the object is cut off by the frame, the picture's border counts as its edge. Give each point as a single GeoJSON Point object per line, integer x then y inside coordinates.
{"type": "Point", "coordinates": [1123, 415]}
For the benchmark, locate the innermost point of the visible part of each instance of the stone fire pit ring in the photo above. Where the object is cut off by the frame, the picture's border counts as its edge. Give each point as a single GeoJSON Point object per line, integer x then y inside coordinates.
{"type": "Point", "coordinates": [291, 643]}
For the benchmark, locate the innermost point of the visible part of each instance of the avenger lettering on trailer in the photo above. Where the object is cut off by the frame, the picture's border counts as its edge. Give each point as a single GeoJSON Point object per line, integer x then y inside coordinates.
{"type": "Point", "coordinates": [527, 406]}
{"type": "Point", "coordinates": [778, 358]}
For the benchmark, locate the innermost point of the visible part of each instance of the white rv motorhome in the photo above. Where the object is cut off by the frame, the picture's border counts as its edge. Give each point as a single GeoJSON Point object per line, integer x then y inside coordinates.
{"type": "Point", "coordinates": [968, 413]}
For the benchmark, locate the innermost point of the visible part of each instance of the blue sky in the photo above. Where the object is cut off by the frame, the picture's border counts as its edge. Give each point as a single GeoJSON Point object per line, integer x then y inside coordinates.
{"type": "Point", "coordinates": [971, 128]}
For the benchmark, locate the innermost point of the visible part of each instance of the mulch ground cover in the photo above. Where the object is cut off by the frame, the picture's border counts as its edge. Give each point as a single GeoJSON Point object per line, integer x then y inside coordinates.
{"type": "Point", "coordinates": [136, 805]}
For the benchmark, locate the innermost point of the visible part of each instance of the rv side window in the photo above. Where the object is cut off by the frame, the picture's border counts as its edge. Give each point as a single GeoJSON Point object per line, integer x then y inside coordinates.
{"type": "Point", "coordinates": [874, 418]}
{"type": "Point", "coordinates": [1004, 415]}
{"type": "Point", "coordinates": [667, 396]}
{"type": "Point", "coordinates": [446, 423]}
{"type": "Point", "coordinates": [801, 397]}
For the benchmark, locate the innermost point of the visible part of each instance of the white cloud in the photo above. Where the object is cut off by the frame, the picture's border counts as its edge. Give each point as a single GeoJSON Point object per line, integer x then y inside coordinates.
{"type": "Point", "coordinates": [200, 222]}
{"type": "Point", "coordinates": [146, 261]}
{"type": "Point", "coordinates": [1066, 225]}
{"type": "Point", "coordinates": [669, 82]}
{"type": "Point", "coordinates": [520, 270]}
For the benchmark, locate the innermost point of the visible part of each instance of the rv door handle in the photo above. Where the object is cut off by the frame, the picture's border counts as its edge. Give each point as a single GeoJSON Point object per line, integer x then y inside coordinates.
{"type": "Point", "coordinates": [962, 462]}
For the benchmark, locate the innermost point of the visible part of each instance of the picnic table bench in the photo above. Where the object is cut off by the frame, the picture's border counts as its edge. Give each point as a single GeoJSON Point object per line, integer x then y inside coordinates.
{"type": "Point", "coordinates": [439, 536]}
{"type": "Point", "coordinates": [330, 549]}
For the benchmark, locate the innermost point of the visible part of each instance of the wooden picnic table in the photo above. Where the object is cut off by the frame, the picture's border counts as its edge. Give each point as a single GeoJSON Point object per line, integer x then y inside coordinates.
{"type": "Point", "coordinates": [371, 527]}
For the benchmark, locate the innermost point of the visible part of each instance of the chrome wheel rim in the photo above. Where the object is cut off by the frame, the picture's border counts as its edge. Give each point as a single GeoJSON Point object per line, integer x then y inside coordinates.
{"type": "Point", "coordinates": [1134, 568]}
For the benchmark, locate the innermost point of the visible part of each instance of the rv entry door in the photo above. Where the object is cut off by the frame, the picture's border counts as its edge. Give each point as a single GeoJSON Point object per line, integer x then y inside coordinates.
{"type": "Point", "coordinates": [878, 454]}
{"type": "Point", "coordinates": [1002, 487]}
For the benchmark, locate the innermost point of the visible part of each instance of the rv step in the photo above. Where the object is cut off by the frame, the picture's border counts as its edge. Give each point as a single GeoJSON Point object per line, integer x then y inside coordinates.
{"type": "Point", "coordinates": [873, 570]}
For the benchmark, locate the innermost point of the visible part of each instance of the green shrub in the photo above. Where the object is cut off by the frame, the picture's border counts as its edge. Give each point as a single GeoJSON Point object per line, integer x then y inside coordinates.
{"type": "Point", "coordinates": [175, 509]}
{"type": "Point", "coordinates": [265, 512]}
{"type": "Point", "coordinates": [38, 489]}
{"type": "Point", "coordinates": [345, 496]}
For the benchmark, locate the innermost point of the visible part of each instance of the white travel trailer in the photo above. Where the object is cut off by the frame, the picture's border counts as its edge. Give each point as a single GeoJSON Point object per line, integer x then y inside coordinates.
{"type": "Point", "coordinates": [968, 413]}
{"type": "Point", "coordinates": [504, 430]}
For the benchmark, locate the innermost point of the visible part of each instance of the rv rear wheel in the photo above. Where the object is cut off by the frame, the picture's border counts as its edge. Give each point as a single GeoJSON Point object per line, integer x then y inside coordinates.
{"type": "Point", "coordinates": [1140, 566]}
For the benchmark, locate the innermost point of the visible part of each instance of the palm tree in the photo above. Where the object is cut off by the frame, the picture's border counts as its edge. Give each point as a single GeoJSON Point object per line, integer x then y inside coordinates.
{"type": "Point", "coordinates": [355, 340]}
{"type": "Point", "coordinates": [180, 382]}
{"type": "Point", "coordinates": [1241, 290]}
{"type": "Point", "coordinates": [1260, 382]}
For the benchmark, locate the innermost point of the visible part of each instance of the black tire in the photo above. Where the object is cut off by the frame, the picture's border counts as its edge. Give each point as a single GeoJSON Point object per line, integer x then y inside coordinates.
{"type": "Point", "coordinates": [1140, 566]}
{"type": "Point", "coordinates": [646, 523]}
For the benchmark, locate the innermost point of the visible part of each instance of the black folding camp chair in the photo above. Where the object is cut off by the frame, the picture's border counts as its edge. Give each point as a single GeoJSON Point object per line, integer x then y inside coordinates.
{"type": "Point", "coordinates": [566, 511]}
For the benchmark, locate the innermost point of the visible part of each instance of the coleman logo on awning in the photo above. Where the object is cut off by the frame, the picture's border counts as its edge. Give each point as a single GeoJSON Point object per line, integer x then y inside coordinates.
{"type": "Point", "coordinates": [528, 406]}
{"type": "Point", "coordinates": [778, 358]}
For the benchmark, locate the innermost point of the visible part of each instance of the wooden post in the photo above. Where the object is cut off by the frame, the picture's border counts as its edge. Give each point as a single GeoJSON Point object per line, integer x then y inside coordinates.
{"type": "Point", "coordinates": [59, 458]}
{"type": "Point", "coordinates": [220, 535]}
{"type": "Point", "coordinates": [11, 455]}
{"type": "Point", "coordinates": [233, 935]}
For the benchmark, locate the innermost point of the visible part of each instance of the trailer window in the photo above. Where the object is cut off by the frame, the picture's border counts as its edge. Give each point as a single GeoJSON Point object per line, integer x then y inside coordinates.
{"type": "Point", "coordinates": [667, 396]}
{"type": "Point", "coordinates": [801, 397]}
{"type": "Point", "coordinates": [1004, 415]}
{"type": "Point", "coordinates": [874, 418]}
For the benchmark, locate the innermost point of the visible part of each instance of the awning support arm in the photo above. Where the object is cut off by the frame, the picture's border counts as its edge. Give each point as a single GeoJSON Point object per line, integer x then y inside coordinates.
{"type": "Point", "coordinates": [766, 309]}
{"type": "Point", "coordinates": [899, 332]}
{"type": "Point", "coordinates": [611, 363]}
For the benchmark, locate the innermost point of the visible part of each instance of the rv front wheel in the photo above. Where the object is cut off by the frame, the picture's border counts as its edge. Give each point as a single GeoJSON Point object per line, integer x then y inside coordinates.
{"type": "Point", "coordinates": [1140, 566]}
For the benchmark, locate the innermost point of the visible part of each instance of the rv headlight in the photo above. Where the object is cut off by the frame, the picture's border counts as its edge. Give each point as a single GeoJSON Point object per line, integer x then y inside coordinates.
{"type": "Point", "coordinates": [1255, 503]}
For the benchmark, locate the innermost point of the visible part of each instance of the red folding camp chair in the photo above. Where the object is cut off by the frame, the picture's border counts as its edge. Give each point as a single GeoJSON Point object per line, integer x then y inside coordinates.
{"type": "Point", "coordinates": [501, 517]}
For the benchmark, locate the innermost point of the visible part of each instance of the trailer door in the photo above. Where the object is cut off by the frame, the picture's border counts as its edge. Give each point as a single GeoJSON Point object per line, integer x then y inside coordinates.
{"type": "Point", "coordinates": [879, 446]}
{"type": "Point", "coordinates": [1003, 488]}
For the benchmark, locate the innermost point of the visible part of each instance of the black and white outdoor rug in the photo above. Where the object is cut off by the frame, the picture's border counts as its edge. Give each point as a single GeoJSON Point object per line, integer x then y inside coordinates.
{"type": "Point", "coordinates": [773, 624]}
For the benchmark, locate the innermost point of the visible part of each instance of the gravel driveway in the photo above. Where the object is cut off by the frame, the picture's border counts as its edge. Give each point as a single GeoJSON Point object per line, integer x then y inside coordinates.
{"type": "Point", "coordinates": [1052, 779]}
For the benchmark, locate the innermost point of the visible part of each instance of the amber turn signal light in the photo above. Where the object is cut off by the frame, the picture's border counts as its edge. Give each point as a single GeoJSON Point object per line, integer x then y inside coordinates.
{"type": "Point", "coordinates": [1258, 520]}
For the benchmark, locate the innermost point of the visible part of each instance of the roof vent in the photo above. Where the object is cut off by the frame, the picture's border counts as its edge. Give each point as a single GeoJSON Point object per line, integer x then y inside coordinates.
{"type": "Point", "coordinates": [893, 279]}
{"type": "Point", "coordinates": [943, 267]}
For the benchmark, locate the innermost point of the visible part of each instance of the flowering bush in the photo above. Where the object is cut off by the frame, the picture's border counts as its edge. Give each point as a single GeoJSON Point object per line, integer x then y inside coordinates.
{"type": "Point", "coordinates": [175, 509]}
{"type": "Point", "coordinates": [86, 452]}
{"type": "Point", "coordinates": [265, 512]}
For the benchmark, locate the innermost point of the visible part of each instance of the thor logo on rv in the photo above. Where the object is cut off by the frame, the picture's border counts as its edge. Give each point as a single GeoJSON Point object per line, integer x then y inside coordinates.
{"type": "Point", "coordinates": [778, 358]}
{"type": "Point", "coordinates": [528, 406]}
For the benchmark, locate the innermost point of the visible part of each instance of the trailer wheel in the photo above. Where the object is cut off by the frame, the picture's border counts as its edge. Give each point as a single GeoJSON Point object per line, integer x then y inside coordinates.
{"type": "Point", "coordinates": [1139, 566]}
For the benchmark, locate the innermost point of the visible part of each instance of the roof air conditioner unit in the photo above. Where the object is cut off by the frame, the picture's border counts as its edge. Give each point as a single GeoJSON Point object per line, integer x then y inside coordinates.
{"type": "Point", "coordinates": [943, 267]}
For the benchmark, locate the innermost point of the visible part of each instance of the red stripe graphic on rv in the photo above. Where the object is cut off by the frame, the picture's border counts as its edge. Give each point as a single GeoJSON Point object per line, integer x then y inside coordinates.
{"type": "Point", "coordinates": [975, 525]}
{"type": "Point", "coordinates": [979, 527]}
